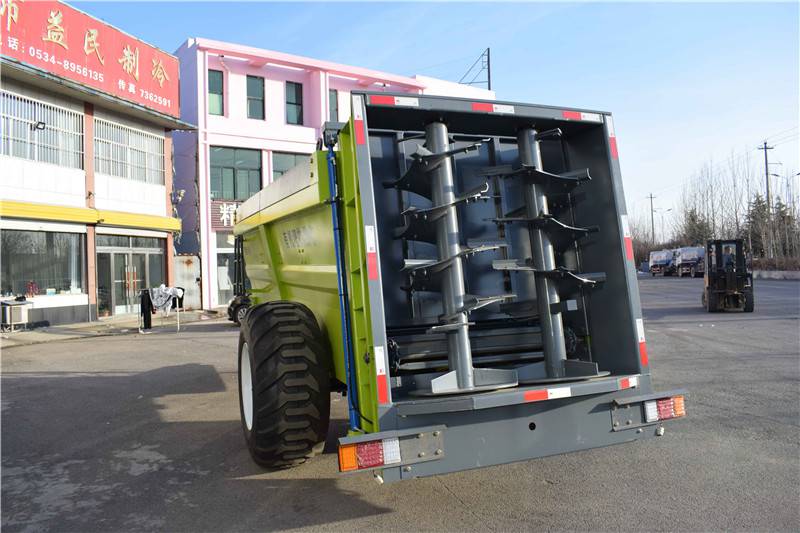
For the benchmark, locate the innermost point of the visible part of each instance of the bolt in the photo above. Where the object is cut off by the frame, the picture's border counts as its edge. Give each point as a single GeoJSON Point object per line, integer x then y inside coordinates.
{"type": "Point", "coordinates": [436, 433]}
{"type": "Point", "coordinates": [628, 422]}
{"type": "Point", "coordinates": [439, 452]}
{"type": "Point", "coordinates": [639, 430]}
{"type": "Point", "coordinates": [616, 424]}
{"type": "Point", "coordinates": [421, 454]}
{"type": "Point", "coordinates": [420, 435]}
{"type": "Point", "coordinates": [406, 469]}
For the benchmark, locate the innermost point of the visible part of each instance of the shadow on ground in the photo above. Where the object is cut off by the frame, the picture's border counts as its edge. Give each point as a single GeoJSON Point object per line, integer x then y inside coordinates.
{"type": "Point", "coordinates": [157, 449]}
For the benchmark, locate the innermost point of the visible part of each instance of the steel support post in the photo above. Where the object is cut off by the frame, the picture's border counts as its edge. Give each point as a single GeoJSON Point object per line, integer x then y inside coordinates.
{"type": "Point", "coordinates": [448, 246]}
{"type": "Point", "coordinates": [547, 298]}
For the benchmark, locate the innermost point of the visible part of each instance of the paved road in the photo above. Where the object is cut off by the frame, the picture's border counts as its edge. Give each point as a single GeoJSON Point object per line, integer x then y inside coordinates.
{"type": "Point", "coordinates": [139, 433]}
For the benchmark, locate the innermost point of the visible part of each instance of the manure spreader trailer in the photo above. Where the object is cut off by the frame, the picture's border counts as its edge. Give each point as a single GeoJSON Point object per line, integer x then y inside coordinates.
{"type": "Point", "coordinates": [462, 271]}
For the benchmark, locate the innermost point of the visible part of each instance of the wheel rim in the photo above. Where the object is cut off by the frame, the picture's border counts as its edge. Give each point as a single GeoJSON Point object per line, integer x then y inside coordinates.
{"type": "Point", "coordinates": [240, 313]}
{"type": "Point", "coordinates": [246, 386]}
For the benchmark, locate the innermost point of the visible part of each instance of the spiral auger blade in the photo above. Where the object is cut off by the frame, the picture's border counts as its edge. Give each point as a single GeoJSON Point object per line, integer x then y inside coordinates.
{"type": "Point", "coordinates": [547, 235]}
{"type": "Point", "coordinates": [431, 176]}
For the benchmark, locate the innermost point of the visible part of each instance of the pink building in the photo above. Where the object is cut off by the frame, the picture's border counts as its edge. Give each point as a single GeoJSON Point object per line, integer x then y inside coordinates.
{"type": "Point", "coordinates": [257, 113]}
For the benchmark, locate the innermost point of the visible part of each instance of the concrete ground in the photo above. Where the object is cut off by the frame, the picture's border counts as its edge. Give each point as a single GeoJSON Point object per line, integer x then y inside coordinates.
{"type": "Point", "coordinates": [116, 325]}
{"type": "Point", "coordinates": [132, 433]}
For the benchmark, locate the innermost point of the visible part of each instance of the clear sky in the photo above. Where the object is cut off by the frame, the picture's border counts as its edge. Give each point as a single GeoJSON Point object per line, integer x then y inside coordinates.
{"type": "Point", "coordinates": [687, 82]}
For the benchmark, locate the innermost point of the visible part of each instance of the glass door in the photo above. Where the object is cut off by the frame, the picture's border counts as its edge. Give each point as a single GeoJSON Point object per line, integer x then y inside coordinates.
{"type": "Point", "coordinates": [104, 285]}
{"type": "Point", "coordinates": [129, 278]}
{"type": "Point", "coordinates": [121, 282]}
{"type": "Point", "coordinates": [138, 266]}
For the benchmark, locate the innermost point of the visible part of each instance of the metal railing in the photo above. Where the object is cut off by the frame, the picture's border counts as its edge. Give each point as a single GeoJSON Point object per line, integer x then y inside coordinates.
{"type": "Point", "coordinates": [128, 153]}
{"type": "Point", "coordinates": [39, 131]}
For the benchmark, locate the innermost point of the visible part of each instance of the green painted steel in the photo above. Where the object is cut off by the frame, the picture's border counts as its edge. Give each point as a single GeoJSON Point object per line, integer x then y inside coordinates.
{"type": "Point", "coordinates": [289, 255]}
{"type": "Point", "coordinates": [356, 261]}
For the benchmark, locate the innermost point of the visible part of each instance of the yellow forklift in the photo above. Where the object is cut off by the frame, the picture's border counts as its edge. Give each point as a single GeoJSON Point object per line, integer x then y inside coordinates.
{"type": "Point", "coordinates": [727, 283]}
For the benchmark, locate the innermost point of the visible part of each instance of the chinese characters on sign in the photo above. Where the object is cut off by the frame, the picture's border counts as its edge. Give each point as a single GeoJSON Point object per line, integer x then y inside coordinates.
{"type": "Point", "coordinates": [223, 214]}
{"type": "Point", "coordinates": [55, 32]}
{"type": "Point", "coordinates": [90, 45]}
{"type": "Point", "coordinates": [63, 41]}
{"type": "Point", "coordinates": [10, 10]}
{"type": "Point", "coordinates": [130, 62]}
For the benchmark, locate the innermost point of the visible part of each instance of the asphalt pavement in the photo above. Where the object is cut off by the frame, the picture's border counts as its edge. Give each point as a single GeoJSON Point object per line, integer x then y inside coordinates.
{"type": "Point", "coordinates": [137, 433]}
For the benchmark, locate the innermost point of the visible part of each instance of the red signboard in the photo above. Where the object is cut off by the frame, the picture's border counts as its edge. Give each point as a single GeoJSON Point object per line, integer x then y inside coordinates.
{"type": "Point", "coordinates": [63, 41]}
{"type": "Point", "coordinates": [223, 214]}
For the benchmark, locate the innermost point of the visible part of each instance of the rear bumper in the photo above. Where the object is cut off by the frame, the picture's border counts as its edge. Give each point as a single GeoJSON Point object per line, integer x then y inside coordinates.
{"type": "Point", "coordinates": [509, 432]}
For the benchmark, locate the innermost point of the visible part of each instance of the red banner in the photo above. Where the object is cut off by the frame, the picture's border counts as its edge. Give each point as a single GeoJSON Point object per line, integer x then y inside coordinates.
{"type": "Point", "coordinates": [63, 41]}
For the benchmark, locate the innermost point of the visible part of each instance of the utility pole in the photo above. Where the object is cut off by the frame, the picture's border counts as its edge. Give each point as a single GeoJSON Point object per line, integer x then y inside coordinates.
{"type": "Point", "coordinates": [652, 220]}
{"type": "Point", "coordinates": [766, 148]}
{"type": "Point", "coordinates": [489, 68]}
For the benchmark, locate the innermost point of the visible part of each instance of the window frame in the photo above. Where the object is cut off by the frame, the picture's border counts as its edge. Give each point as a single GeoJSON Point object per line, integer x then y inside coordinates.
{"type": "Point", "coordinates": [298, 105]}
{"type": "Point", "coordinates": [233, 174]}
{"type": "Point", "coordinates": [221, 94]}
{"type": "Point", "coordinates": [59, 143]}
{"type": "Point", "coordinates": [296, 155]}
{"type": "Point", "coordinates": [333, 105]}
{"type": "Point", "coordinates": [46, 265]}
{"type": "Point", "coordinates": [262, 99]}
{"type": "Point", "coordinates": [128, 153]}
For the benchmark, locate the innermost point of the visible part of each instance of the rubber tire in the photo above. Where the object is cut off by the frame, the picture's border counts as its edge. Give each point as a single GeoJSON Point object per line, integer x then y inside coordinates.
{"type": "Point", "coordinates": [290, 384]}
{"type": "Point", "coordinates": [749, 302]}
{"type": "Point", "coordinates": [712, 303]}
{"type": "Point", "coordinates": [236, 319]}
{"type": "Point", "coordinates": [692, 272]}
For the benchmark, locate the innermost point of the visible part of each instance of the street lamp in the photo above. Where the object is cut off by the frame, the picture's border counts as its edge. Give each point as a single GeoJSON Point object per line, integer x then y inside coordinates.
{"type": "Point", "coordinates": [661, 211]}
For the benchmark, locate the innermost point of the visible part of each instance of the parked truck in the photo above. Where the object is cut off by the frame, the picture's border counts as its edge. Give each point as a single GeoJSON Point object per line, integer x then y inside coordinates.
{"type": "Point", "coordinates": [661, 262]}
{"type": "Point", "coordinates": [463, 273]}
{"type": "Point", "coordinates": [689, 260]}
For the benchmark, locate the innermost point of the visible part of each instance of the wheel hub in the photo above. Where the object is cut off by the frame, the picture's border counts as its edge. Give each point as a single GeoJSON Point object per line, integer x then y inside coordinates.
{"type": "Point", "coordinates": [246, 386]}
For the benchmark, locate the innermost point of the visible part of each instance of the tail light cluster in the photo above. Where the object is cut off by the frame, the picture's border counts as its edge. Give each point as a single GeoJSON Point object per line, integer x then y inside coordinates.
{"type": "Point", "coordinates": [370, 454]}
{"type": "Point", "coordinates": [664, 409]}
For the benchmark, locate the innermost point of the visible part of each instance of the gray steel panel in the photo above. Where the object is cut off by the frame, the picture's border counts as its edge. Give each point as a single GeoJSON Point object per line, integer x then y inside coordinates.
{"type": "Point", "coordinates": [506, 397]}
{"type": "Point", "coordinates": [368, 213]}
{"type": "Point", "coordinates": [503, 435]}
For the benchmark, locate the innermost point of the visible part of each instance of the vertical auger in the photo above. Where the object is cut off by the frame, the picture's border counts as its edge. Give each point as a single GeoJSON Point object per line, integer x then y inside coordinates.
{"type": "Point", "coordinates": [552, 325]}
{"type": "Point", "coordinates": [456, 304]}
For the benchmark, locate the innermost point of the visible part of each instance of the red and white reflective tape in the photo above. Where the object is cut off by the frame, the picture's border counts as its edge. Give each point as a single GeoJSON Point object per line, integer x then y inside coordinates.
{"type": "Point", "coordinates": [612, 138]}
{"type": "Point", "coordinates": [372, 252]}
{"type": "Point", "coordinates": [385, 99]}
{"type": "Point", "coordinates": [547, 394]}
{"type": "Point", "coordinates": [629, 383]}
{"type": "Point", "coordinates": [626, 235]}
{"type": "Point", "coordinates": [642, 343]}
{"type": "Point", "coordinates": [580, 115]}
{"type": "Point", "coordinates": [489, 107]}
{"type": "Point", "coordinates": [381, 379]}
{"type": "Point", "coordinates": [358, 121]}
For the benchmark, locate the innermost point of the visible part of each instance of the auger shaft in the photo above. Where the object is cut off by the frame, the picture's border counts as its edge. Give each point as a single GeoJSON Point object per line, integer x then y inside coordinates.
{"type": "Point", "coordinates": [547, 297]}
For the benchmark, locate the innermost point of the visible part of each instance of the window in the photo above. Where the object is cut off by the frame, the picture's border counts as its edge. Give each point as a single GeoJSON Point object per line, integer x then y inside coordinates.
{"type": "Point", "coordinates": [41, 262]}
{"type": "Point", "coordinates": [294, 103]}
{"type": "Point", "coordinates": [38, 131]}
{"type": "Point", "coordinates": [333, 105]}
{"type": "Point", "coordinates": [215, 100]}
{"type": "Point", "coordinates": [283, 162]}
{"type": "Point", "coordinates": [255, 97]}
{"type": "Point", "coordinates": [235, 173]}
{"type": "Point", "coordinates": [128, 153]}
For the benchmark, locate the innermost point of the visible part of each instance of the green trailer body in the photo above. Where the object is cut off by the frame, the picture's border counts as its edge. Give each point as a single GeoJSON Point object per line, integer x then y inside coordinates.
{"type": "Point", "coordinates": [487, 282]}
